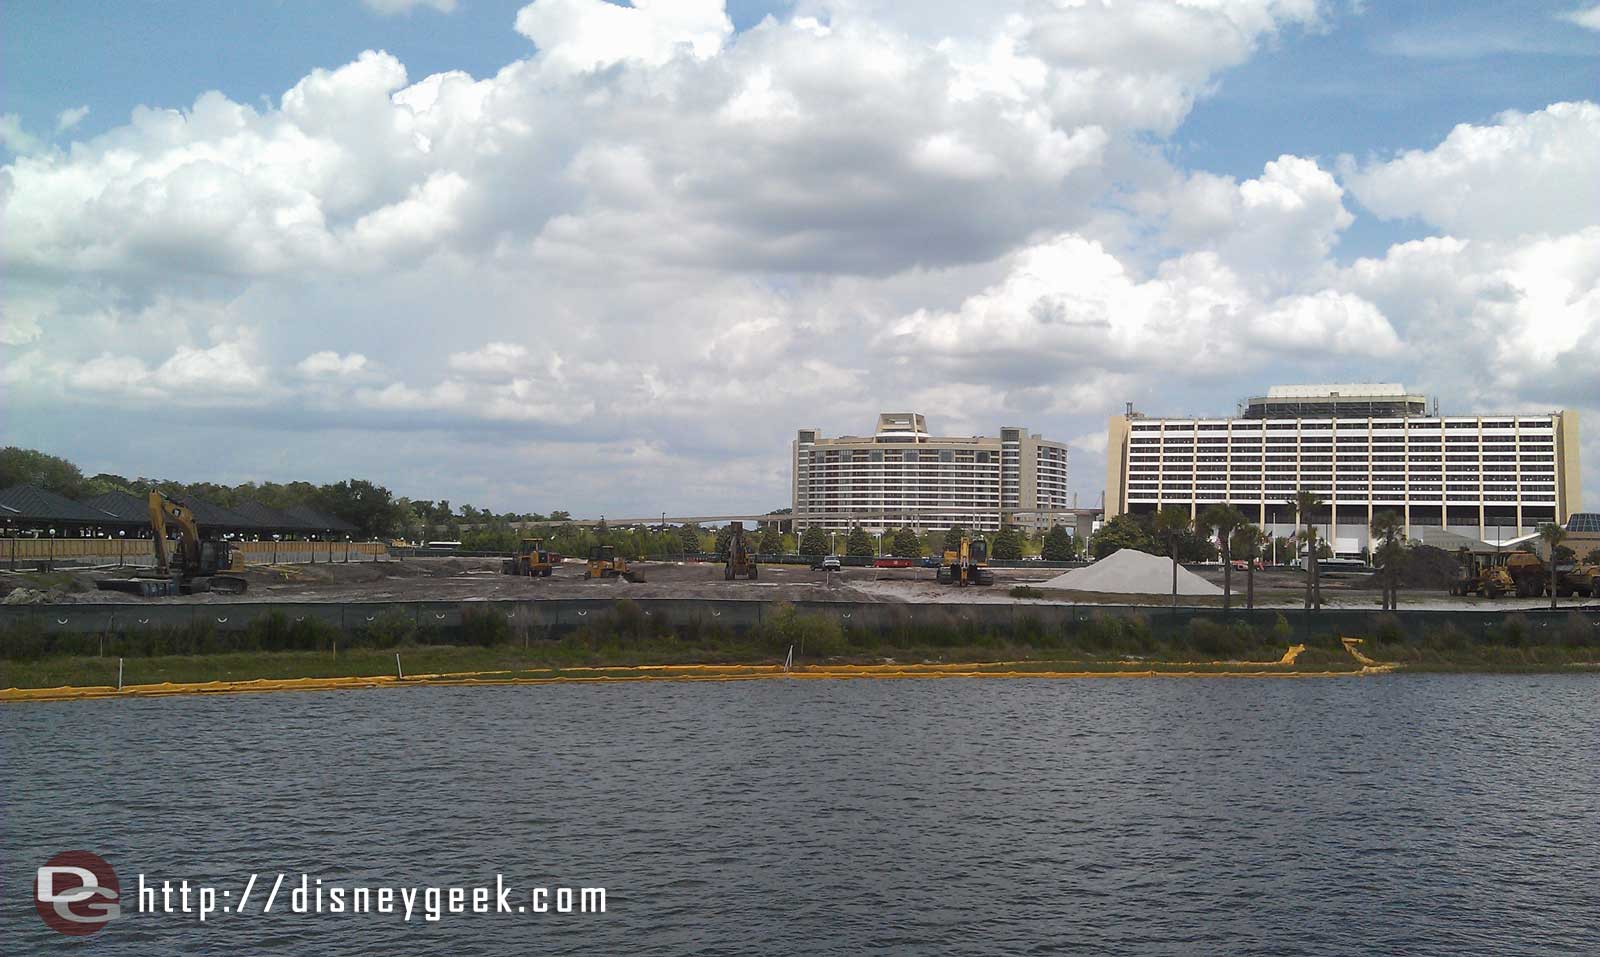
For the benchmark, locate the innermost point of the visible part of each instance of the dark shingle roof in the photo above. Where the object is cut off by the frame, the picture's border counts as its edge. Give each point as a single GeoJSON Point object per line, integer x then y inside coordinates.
{"type": "Point", "coordinates": [122, 506]}
{"type": "Point", "coordinates": [209, 516]}
{"type": "Point", "coordinates": [319, 520]}
{"type": "Point", "coordinates": [26, 503]}
{"type": "Point", "coordinates": [265, 516]}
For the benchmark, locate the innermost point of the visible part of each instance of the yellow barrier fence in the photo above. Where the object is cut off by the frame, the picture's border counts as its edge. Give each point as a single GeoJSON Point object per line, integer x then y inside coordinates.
{"type": "Point", "coordinates": [14, 551]}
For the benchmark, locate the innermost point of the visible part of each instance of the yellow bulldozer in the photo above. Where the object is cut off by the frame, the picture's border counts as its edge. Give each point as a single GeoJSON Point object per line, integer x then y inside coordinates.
{"type": "Point", "coordinates": [966, 564]}
{"type": "Point", "coordinates": [532, 560]}
{"type": "Point", "coordinates": [604, 562]}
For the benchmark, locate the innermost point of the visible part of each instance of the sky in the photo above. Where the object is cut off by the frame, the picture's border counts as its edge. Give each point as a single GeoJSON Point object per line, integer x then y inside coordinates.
{"type": "Point", "coordinates": [607, 258]}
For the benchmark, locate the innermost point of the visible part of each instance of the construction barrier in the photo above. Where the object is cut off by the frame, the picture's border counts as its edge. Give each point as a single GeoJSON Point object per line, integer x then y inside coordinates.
{"type": "Point", "coordinates": [556, 617]}
{"type": "Point", "coordinates": [32, 552]}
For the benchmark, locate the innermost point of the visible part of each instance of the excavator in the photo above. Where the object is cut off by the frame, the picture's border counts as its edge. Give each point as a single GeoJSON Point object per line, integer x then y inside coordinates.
{"type": "Point", "coordinates": [194, 566]}
{"type": "Point", "coordinates": [966, 564]}
{"type": "Point", "coordinates": [604, 562]}
{"type": "Point", "coordinates": [741, 557]}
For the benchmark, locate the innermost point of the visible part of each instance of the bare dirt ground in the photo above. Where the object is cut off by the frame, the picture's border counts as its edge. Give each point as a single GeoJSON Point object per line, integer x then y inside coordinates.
{"type": "Point", "coordinates": [467, 579]}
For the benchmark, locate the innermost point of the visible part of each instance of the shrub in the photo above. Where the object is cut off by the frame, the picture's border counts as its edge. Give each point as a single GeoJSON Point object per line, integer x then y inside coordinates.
{"type": "Point", "coordinates": [485, 627]}
{"type": "Point", "coordinates": [1026, 591]}
{"type": "Point", "coordinates": [814, 635]}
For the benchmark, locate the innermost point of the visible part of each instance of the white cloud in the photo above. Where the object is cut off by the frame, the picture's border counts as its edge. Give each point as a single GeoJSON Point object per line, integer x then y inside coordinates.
{"type": "Point", "coordinates": [14, 138]}
{"type": "Point", "coordinates": [584, 35]}
{"type": "Point", "coordinates": [1529, 173]}
{"type": "Point", "coordinates": [1586, 17]}
{"type": "Point", "coordinates": [391, 8]}
{"type": "Point", "coordinates": [329, 363]}
{"type": "Point", "coordinates": [67, 119]}
{"type": "Point", "coordinates": [502, 358]}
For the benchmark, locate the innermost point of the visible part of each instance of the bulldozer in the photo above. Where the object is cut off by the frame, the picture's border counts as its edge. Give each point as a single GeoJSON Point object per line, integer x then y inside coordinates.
{"type": "Point", "coordinates": [531, 561]}
{"type": "Point", "coordinates": [604, 562]}
{"type": "Point", "coordinates": [195, 565]}
{"type": "Point", "coordinates": [966, 564]}
{"type": "Point", "coordinates": [741, 557]}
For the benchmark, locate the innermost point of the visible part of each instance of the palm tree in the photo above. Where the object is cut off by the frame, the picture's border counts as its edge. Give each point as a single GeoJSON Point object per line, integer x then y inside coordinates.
{"type": "Point", "coordinates": [1172, 524]}
{"type": "Point", "coordinates": [1225, 519]}
{"type": "Point", "coordinates": [1246, 542]}
{"type": "Point", "coordinates": [1552, 535]}
{"type": "Point", "coordinates": [1304, 503]}
{"type": "Point", "coordinates": [1388, 530]}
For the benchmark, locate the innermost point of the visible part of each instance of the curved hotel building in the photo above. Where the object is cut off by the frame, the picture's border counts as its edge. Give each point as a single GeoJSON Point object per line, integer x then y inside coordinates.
{"type": "Point", "coordinates": [1361, 448]}
{"type": "Point", "coordinates": [903, 476]}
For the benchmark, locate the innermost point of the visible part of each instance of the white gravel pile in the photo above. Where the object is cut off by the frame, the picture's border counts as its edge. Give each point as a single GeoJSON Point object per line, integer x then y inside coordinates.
{"type": "Point", "coordinates": [1132, 572]}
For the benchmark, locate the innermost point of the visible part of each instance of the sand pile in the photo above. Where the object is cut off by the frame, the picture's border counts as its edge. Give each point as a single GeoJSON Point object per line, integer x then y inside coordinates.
{"type": "Point", "coordinates": [1131, 572]}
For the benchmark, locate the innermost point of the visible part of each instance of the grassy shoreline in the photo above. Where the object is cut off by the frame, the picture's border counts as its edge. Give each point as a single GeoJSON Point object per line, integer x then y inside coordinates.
{"type": "Point", "coordinates": [575, 660]}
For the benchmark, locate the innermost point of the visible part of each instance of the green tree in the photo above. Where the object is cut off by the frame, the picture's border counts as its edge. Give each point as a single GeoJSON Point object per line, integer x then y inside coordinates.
{"type": "Point", "coordinates": [1057, 545]}
{"type": "Point", "coordinates": [771, 541]}
{"type": "Point", "coordinates": [1305, 504]}
{"type": "Point", "coordinates": [1007, 545]}
{"type": "Point", "coordinates": [1122, 531]}
{"type": "Point", "coordinates": [1593, 558]}
{"type": "Point", "coordinates": [1248, 540]}
{"type": "Point", "coordinates": [859, 544]}
{"type": "Point", "coordinates": [1552, 535]}
{"type": "Point", "coordinates": [907, 544]}
{"type": "Point", "coordinates": [1171, 527]}
{"type": "Point", "coordinates": [814, 542]}
{"type": "Point", "coordinates": [1388, 532]}
{"type": "Point", "coordinates": [1224, 519]}
{"type": "Point", "coordinates": [724, 536]}
{"type": "Point", "coordinates": [20, 466]}
{"type": "Point", "coordinates": [952, 537]}
{"type": "Point", "coordinates": [689, 539]}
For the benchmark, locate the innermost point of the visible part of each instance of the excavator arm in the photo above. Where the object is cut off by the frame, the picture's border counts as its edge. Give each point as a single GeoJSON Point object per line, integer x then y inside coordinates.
{"type": "Point", "coordinates": [163, 511]}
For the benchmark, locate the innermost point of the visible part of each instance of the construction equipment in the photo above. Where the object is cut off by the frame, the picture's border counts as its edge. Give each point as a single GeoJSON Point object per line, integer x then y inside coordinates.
{"type": "Point", "coordinates": [195, 566]}
{"type": "Point", "coordinates": [1482, 575]}
{"type": "Point", "coordinates": [1578, 578]}
{"type": "Point", "coordinates": [741, 558]}
{"type": "Point", "coordinates": [966, 564]}
{"type": "Point", "coordinates": [1529, 573]}
{"type": "Point", "coordinates": [531, 561]}
{"type": "Point", "coordinates": [604, 562]}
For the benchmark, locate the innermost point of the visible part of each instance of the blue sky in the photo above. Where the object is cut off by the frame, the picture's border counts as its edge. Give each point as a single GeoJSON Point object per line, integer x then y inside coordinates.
{"type": "Point", "coordinates": [641, 241]}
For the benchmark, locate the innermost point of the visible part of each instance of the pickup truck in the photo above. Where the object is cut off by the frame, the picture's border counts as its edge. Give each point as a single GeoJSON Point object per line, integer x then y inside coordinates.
{"type": "Point", "coordinates": [829, 563]}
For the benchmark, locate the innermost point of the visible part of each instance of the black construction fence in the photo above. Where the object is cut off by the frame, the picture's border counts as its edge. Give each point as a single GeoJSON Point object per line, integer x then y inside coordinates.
{"type": "Point", "coordinates": [48, 629]}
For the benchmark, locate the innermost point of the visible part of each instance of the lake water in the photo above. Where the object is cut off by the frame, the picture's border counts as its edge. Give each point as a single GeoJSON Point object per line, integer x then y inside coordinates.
{"type": "Point", "coordinates": [1406, 814]}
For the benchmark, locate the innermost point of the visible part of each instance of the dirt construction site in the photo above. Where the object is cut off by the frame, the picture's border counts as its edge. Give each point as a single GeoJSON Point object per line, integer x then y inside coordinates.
{"type": "Point", "coordinates": [467, 579]}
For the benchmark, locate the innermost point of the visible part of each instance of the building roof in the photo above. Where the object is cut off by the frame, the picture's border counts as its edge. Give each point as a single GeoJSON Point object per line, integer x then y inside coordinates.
{"type": "Point", "coordinates": [318, 520]}
{"type": "Point", "coordinates": [1352, 390]}
{"type": "Point", "coordinates": [123, 506]}
{"type": "Point", "coordinates": [267, 517]}
{"type": "Point", "coordinates": [209, 516]}
{"type": "Point", "coordinates": [28, 503]}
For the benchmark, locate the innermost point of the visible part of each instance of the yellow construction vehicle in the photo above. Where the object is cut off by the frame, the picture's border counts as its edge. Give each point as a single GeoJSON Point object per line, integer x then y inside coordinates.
{"type": "Point", "coordinates": [1485, 575]}
{"type": "Point", "coordinates": [1578, 578]}
{"type": "Point", "coordinates": [741, 557]}
{"type": "Point", "coordinates": [604, 562]}
{"type": "Point", "coordinates": [196, 565]}
{"type": "Point", "coordinates": [966, 564]}
{"type": "Point", "coordinates": [531, 560]}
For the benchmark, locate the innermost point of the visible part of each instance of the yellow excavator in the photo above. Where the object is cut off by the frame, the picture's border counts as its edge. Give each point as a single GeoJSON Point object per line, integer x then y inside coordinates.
{"type": "Point", "coordinates": [966, 564]}
{"type": "Point", "coordinates": [195, 565]}
{"type": "Point", "coordinates": [604, 562]}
